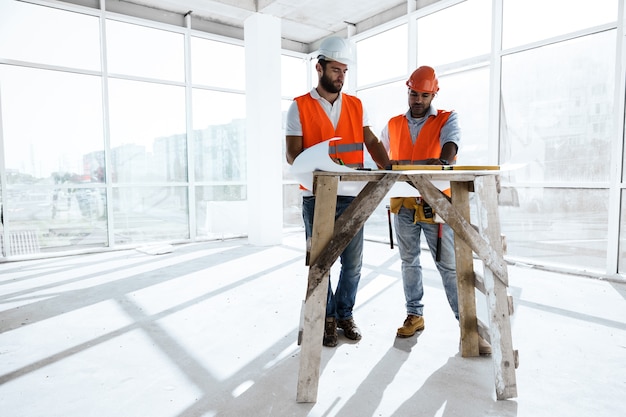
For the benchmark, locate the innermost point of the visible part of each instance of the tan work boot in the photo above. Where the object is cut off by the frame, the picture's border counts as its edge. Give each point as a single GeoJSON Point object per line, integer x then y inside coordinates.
{"type": "Point", "coordinates": [330, 332]}
{"type": "Point", "coordinates": [484, 348]}
{"type": "Point", "coordinates": [350, 329]}
{"type": "Point", "coordinates": [411, 325]}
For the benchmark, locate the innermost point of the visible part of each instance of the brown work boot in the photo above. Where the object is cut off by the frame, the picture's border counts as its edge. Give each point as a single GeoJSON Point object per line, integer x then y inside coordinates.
{"type": "Point", "coordinates": [412, 324]}
{"type": "Point", "coordinates": [330, 332]}
{"type": "Point", "coordinates": [350, 330]}
{"type": "Point", "coordinates": [484, 348]}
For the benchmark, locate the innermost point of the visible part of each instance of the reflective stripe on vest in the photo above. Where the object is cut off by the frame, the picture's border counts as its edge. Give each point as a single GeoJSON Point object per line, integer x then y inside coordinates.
{"type": "Point", "coordinates": [339, 153]}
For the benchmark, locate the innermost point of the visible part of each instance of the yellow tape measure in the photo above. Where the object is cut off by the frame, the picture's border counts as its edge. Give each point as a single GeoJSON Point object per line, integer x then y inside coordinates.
{"type": "Point", "coordinates": [445, 167]}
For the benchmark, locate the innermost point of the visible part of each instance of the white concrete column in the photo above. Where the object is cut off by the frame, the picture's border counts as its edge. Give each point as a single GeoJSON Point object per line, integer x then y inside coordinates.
{"type": "Point", "coordinates": [264, 133]}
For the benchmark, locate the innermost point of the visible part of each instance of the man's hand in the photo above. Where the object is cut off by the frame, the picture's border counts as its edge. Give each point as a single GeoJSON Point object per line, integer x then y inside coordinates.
{"type": "Point", "coordinates": [434, 161]}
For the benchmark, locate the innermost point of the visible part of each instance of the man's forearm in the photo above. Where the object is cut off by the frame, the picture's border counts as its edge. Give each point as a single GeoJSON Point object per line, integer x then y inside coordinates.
{"type": "Point", "coordinates": [379, 155]}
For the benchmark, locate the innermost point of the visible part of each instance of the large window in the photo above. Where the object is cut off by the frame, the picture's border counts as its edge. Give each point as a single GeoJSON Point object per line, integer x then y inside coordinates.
{"type": "Point", "coordinates": [71, 39]}
{"type": "Point", "coordinates": [467, 93]}
{"type": "Point", "coordinates": [144, 52]}
{"type": "Point", "coordinates": [557, 125]}
{"type": "Point", "coordinates": [54, 159]}
{"type": "Point", "coordinates": [52, 130]}
{"type": "Point", "coordinates": [217, 64]}
{"type": "Point", "coordinates": [118, 131]}
{"type": "Point", "coordinates": [551, 18]}
{"type": "Point", "coordinates": [148, 142]}
{"type": "Point", "coordinates": [218, 138]}
{"type": "Point", "coordinates": [378, 57]}
{"type": "Point", "coordinates": [556, 120]}
{"type": "Point", "coordinates": [219, 155]}
{"type": "Point", "coordinates": [557, 110]}
{"type": "Point", "coordinates": [294, 74]}
{"type": "Point", "coordinates": [454, 34]}
{"type": "Point", "coordinates": [85, 168]}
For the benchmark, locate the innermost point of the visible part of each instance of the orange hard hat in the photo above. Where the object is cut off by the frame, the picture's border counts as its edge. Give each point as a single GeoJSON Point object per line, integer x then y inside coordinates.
{"type": "Point", "coordinates": [423, 80]}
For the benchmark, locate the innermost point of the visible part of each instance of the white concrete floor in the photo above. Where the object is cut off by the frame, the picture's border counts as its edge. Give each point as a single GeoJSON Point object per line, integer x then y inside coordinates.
{"type": "Point", "coordinates": [211, 328]}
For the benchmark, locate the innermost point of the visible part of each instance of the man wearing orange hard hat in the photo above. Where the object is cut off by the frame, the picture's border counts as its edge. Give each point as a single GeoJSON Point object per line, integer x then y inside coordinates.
{"type": "Point", "coordinates": [423, 135]}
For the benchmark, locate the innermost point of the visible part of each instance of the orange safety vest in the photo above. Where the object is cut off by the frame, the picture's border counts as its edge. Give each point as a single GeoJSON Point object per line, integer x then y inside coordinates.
{"type": "Point", "coordinates": [402, 149]}
{"type": "Point", "coordinates": [426, 145]}
{"type": "Point", "coordinates": [317, 127]}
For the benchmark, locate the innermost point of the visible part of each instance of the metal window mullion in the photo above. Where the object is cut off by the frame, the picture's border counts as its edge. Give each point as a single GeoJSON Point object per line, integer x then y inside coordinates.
{"type": "Point", "coordinates": [3, 188]}
{"type": "Point", "coordinates": [191, 172]}
{"type": "Point", "coordinates": [106, 122]}
{"type": "Point", "coordinates": [412, 44]}
{"type": "Point", "coordinates": [617, 145]}
{"type": "Point", "coordinates": [495, 83]}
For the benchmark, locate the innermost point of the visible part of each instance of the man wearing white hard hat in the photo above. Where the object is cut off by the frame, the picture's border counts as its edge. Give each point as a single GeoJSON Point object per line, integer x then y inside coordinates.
{"type": "Point", "coordinates": [321, 114]}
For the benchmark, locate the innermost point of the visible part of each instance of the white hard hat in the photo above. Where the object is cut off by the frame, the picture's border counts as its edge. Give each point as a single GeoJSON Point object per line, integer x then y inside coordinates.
{"type": "Point", "coordinates": [337, 49]}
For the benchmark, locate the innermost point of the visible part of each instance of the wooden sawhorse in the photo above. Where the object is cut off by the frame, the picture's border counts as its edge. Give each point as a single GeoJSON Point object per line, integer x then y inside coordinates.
{"type": "Point", "coordinates": [330, 238]}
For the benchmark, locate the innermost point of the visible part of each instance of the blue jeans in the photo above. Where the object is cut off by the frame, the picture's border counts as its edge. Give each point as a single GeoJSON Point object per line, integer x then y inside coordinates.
{"type": "Point", "coordinates": [340, 303]}
{"type": "Point", "coordinates": [408, 235]}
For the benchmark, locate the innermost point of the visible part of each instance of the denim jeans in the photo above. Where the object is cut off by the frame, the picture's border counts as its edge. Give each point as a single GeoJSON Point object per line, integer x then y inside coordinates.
{"type": "Point", "coordinates": [408, 236]}
{"type": "Point", "coordinates": [340, 303]}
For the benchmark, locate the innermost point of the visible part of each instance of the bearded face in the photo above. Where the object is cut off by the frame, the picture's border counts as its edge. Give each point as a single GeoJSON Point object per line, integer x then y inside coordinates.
{"type": "Point", "coordinates": [330, 84]}
{"type": "Point", "coordinates": [332, 76]}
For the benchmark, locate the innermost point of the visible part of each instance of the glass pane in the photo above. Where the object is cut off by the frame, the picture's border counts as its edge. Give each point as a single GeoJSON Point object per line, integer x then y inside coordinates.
{"type": "Point", "coordinates": [292, 206]}
{"type": "Point", "coordinates": [383, 102]}
{"type": "Point", "coordinates": [221, 211]}
{"type": "Point", "coordinates": [145, 214]}
{"type": "Point", "coordinates": [217, 64]}
{"type": "Point", "coordinates": [148, 140]}
{"type": "Point", "coordinates": [550, 18]}
{"type": "Point", "coordinates": [621, 267]}
{"type": "Point", "coordinates": [557, 105]}
{"type": "Point", "coordinates": [315, 77]}
{"type": "Point", "coordinates": [472, 107]}
{"type": "Point", "coordinates": [285, 104]}
{"type": "Point", "coordinates": [219, 136]}
{"type": "Point", "coordinates": [556, 226]}
{"type": "Point", "coordinates": [387, 47]}
{"type": "Point", "coordinates": [52, 125]}
{"type": "Point", "coordinates": [49, 36]}
{"type": "Point", "coordinates": [293, 76]}
{"type": "Point", "coordinates": [292, 195]}
{"type": "Point", "coordinates": [377, 225]}
{"type": "Point", "coordinates": [53, 218]}
{"type": "Point", "coordinates": [455, 33]}
{"type": "Point", "coordinates": [144, 52]}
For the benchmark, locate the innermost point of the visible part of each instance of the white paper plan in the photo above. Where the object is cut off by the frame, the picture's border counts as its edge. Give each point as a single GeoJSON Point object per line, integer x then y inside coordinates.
{"type": "Point", "coordinates": [316, 158]}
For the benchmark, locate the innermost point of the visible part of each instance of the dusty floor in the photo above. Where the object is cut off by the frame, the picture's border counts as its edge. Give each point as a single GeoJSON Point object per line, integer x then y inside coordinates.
{"type": "Point", "coordinates": [210, 329]}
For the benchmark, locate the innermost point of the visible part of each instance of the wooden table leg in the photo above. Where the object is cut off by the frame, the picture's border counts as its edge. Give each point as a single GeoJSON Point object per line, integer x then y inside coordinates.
{"type": "Point", "coordinates": [468, 321]}
{"type": "Point", "coordinates": [329, 239]}
{"type": "Point", "coordinates": [317, 291]}
{"type": "Point", "coordinates": [496, 290]}
{"type": "Point", "coordinates": [487, 244]}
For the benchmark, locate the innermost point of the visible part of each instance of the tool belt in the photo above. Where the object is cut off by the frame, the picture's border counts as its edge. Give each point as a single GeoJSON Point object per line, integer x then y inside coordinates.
{"type": "Point", "coordinates": [423, 212]}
